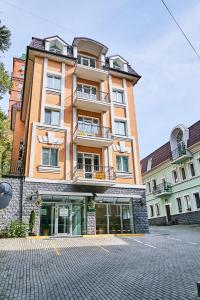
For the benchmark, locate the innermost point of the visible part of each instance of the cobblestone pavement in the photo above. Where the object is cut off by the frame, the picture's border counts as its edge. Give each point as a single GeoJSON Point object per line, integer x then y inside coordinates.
{"type": "Point", "coordinates": [162, 265]}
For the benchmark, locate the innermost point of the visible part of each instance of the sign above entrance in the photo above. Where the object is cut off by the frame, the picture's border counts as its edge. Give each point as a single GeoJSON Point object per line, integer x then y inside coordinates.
{"type": "Point", "coordinates": [64, 212]}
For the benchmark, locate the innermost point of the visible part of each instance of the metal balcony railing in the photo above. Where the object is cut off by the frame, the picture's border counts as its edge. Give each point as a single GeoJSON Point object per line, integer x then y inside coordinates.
{"type": "Point", "coordinates": [102, 97]}
{"type": "Point", "coordinates": [162, 188]}
{"type": "Point", "coordinates": [93, 172]}
{"type": "Point", "coordinates": [13, 168]}
{"type": "Point", "coordinates": [93, 130]}
{"type": "Point", "coordinates": [179, 151]}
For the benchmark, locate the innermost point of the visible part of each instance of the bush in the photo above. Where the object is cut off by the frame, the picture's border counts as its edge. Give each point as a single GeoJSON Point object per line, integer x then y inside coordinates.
{"type": "Point", "coordinates": [32, 221]}
{"type": "Point", "coordinates": [17, 229]}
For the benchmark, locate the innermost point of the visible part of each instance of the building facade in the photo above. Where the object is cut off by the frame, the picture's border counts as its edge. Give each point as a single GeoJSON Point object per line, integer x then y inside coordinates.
{"type": "Point", "coordinates": [75, 151]}
{"type": "Point", "coordinates": [172, 178]}
{"type": "Point", "coordinates": [17, 78]}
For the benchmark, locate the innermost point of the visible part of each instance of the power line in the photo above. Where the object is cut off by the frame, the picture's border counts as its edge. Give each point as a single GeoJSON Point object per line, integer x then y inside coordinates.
{"type": "Point", "coordinates": [38, 16]}
{"type": "Point", "coordinates": [182, 31]}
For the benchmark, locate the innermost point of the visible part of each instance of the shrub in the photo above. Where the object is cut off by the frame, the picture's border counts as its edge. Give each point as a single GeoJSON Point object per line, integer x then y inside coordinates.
{"type": "Point", "coordinates": [17, 229]}
{"type": "Point", "coordinates": [32, 221]}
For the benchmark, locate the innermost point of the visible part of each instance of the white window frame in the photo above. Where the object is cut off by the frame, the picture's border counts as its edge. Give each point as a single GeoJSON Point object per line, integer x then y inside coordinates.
{"type": "Point", "coordinates": [49, 157]}
{"type": "Point", "coordinates": [187, 196]}
{"type": "Point", "coordinates": [189, 167]}
{"type": "Point", "coordinates": [157, 208]}
{"type": "Point", "coordinates": [149, 164]}
{"type": "Point", "coordinates": [183, 167]}
{"type": "Point", "coordinates": [121, 158]}
{"type": "Point", "coordinates": [149, 186]}
{"type": "Point", "coordinates": [122, 121]}
{"type": "Point", "coordinates": [181, 204]}
{"type": "Point", "coordinates": [115, 90]}
{"type": "Point", "coordinates": [151, 210]}
{"type": "Point", "coordinates": [51, 110]}
{"type": "Point", "coordinates": [91, 95]}
{"type": "Point", "coordinates": [88, 58]}
{"type": "Point", "coordinates": [175, 181]}
{"type": "Point", "coordinates": [196, 192]}
{"type": "Point", "coordinates": [54, 75]}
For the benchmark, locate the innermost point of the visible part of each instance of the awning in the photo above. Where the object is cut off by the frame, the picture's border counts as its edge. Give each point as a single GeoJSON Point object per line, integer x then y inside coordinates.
{"type": "Point", "coordinates": [119, 196]}
{"type": "Point", "coordinates": [65, 193]}
{"type": "Point", "coordinates": [115, 198]}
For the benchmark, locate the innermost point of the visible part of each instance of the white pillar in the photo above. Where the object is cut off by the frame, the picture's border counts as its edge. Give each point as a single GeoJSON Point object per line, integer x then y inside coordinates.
{"type": "Point", "coordinates": [63, 94]}
{"type": "Point", "coordinates": [44, 84]}
{"type": "Point", "coordinates": [127, 107]}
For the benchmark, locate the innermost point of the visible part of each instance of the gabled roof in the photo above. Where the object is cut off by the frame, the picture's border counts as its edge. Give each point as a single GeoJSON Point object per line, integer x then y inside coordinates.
{"type": "Point", "coordinates": [116, 56]}
{"type": "Point", "coordinates": [56, 37]}
{"type": "Point", "coordinates": [163, 153]}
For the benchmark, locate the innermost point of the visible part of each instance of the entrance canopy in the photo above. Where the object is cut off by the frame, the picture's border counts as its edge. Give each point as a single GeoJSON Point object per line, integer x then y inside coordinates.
{"type": "Point", "coordinates": [49, 196]}
{"type": "Point", "coordinates": [115, 198]}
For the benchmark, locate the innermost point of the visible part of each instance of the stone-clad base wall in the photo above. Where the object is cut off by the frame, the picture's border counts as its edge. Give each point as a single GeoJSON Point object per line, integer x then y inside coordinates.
{"type": "Point", "coordinates": [28, 189]}
{"type": "Point", "coordinates": [158, 221]}
{"type": "Point", "coordinates": [192, 217]}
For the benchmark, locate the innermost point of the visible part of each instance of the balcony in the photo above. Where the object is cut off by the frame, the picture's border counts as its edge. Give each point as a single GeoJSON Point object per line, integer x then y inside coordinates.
{"type": "Point", "coordinates": [180, 154]}
{"type": "Point", "coordinates": [90, 69]}
{"type": "Point", "coordinates": [162, 190]}
{"type": "Point", "coordinates": [93, 175]}
{"type": "Point", "coordinates": [92, 135]}
{"type": "Point", "coordinates": [99, 102]}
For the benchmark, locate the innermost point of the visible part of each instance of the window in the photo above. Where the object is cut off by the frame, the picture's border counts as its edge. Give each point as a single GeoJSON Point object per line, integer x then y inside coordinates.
{"type": "Point", "coordinates": [197, 199]}
{"type": "Point", "coordinates": [19, 96]}
{"type": "Point", "coordinates": [52, 117]}
{"type": "Point", "coordinates": [154, 184]}
{"type": "Point", "coordinates": [55, 49]}
{"type": "Point", "coordinates": [20, 85]}
{"type": "Point", "coordinates": [122, 163]}
{"type": "Point", "coordinates": [149, 186]}
{"type": "Point", "coordinates": [87, 92]}
{"type": "Point", "coordinates": [54, 82]}
{"type": "Point", "coordinates": [22, 67]}
{"type": "Point", "coordinates": [151, 211]}
{"type": "Point", "coordinates": [187, 202]}
{"type": "Point", "coordinates": [120, 128]}
{"type": "Point", "coordinates": [88, 125]}
{"type": "Point", "coordinates": [198, 162]}
{"type": "Point", "coordinates": [149, 164]}
{"type": "Point", "coordinates": [50, 157]}
{"type": "Point", "coordinates": [175, 176]}
{"type": "Point", "coordinates": [86, 61]}
{"type": "Point", "coordinates": [116, 66]}
{"type": "Point", "coordinates": [157, 209]}
{"type": "Point", "coordinates": [182, 169]}
{"type": "Point", "coordinates": [118, 96]}
{"type": "Point", "coordinates": [179, 204]}
{"type": "Point", "coordinates": [192, 170]}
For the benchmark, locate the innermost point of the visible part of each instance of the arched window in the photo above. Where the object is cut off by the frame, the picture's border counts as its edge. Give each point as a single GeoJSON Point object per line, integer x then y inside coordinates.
{"type": "Point", "coordinates": [179, 137]}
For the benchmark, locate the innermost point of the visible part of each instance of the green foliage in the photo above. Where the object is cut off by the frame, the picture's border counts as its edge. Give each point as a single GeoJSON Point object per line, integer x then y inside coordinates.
{"type": "Point", "coordinates": [5, 36]}
{"type": "Point", "coordinates": [32, 221]}
{"type": "Point", "coordinates": [5, 81]}
{"type": "Point", "coordinates": [16, 229]}
{"type": "Point", "coordinates": [6, 137]}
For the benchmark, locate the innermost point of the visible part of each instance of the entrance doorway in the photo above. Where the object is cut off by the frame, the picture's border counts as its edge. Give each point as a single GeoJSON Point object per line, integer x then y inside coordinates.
{"type": "Point", "coordinates": [62, 219]}
{"type": "Point", "coordinates": [168, 212]}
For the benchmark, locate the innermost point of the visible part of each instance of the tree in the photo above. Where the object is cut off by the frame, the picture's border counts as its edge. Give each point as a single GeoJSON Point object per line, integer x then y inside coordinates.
{"type": "Point", "coordinates": [5, 36]}
{"type": "Point", "coordinates": [5, 81]}
{"type": "Point", "coordinates": [5, 142]}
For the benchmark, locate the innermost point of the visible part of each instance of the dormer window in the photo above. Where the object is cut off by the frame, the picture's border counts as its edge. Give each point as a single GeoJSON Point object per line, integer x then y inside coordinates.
{"type": "Point", "coordinates": [116, 66]}
{"type": "Point", "coordinates": [55, 49]}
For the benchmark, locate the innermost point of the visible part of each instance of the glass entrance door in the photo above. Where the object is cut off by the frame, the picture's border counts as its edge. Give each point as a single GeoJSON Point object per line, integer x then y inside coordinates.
{"type": "Point", "coordinates": [88, 166]}
{"type": "Point", "coordinates": [62, 219]}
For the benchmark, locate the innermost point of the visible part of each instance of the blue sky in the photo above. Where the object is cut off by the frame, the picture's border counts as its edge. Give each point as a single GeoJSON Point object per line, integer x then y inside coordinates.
{"type": "Point", "coordinates": [143, 33]}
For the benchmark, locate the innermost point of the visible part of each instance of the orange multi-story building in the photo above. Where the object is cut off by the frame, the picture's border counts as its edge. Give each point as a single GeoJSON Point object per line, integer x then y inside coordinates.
{"type": "Point", "coordinates": [17, 81]}
{"type": "Point", "coordinates": [76, 140]}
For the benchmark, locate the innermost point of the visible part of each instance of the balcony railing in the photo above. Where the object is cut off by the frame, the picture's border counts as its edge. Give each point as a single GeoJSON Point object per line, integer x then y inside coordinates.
{"type": "Point", "coordinates": [93, 130]}
{"type": "Point", "coordinates": [12, 169]}
{"type": "Point", "coordinates": [82, 171]}
{"type": "Point", "coordinates": [179, 151]}
{"type": "Point", "coordinates": [101, 97]}
{"type": "Point", "coordinates": [162, 188]}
